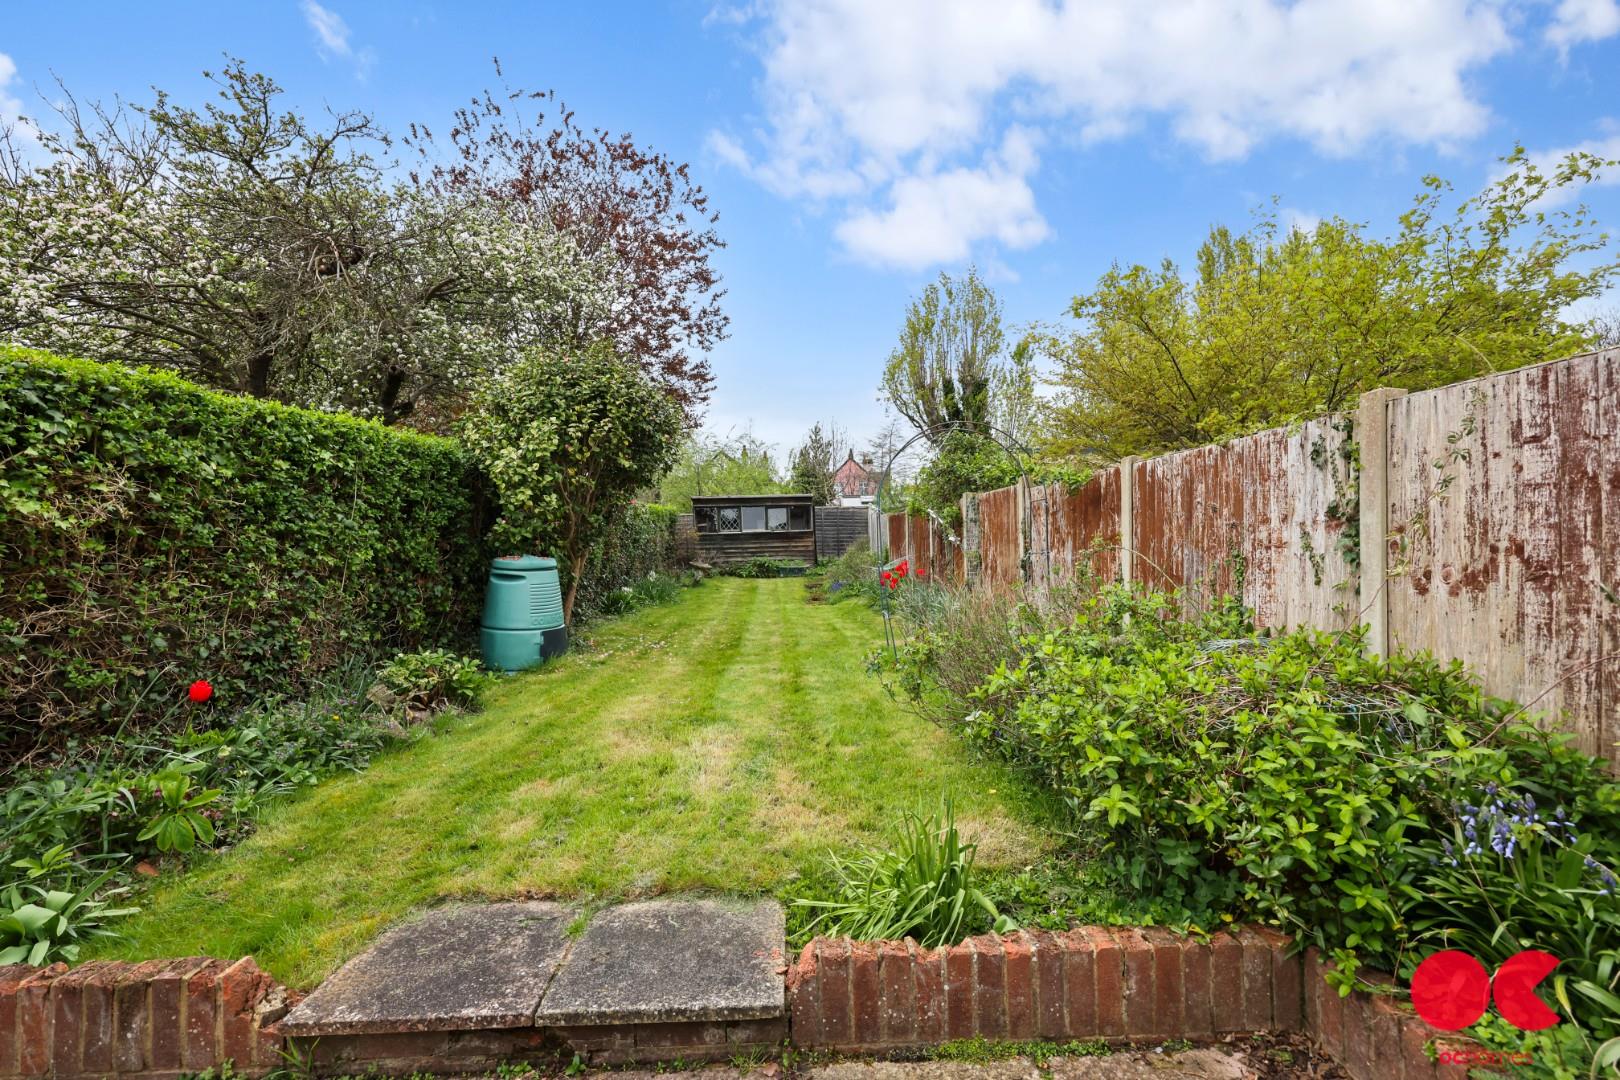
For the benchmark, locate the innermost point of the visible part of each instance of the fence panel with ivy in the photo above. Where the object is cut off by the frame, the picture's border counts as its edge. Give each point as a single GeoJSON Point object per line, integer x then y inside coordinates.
{"type": "Point", "coordinates": [1500, 514]}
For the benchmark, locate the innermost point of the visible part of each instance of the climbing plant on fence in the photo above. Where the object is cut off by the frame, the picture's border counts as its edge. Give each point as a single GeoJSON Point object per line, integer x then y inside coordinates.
{"type": "Point", "coordinates": [153, 532]}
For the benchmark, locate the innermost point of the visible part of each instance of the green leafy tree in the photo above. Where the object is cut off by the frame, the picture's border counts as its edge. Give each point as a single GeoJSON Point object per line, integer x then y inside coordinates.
{"type": "Point", "coordinates": [710, 464]}
{"type": "Point", "coordinates": [567, 438]}
{"type": "Point", "coordinates": [944, 367]}
{"type": "Point", "coordinates": [966, 461]}
{"type": "Point", "coordinates": [815, 461]}
{"type": "Point", "coordinates": [1279, 325]}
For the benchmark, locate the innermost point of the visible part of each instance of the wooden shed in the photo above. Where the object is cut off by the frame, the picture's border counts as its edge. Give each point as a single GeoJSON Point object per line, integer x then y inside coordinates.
{"type": "Point", "coordinates": [736, 528]}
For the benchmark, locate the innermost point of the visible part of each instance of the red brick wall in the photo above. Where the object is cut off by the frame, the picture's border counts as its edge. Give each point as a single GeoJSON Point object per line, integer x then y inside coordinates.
{"type": "Point", "coordinates": [155, 1019]}
{"type": "Point", "coordinates": [1113, 983]}
{"type": "Point", "coordinates": [164, 1018]}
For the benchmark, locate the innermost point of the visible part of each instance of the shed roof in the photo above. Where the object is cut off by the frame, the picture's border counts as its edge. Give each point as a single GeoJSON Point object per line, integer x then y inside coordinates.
{"type": "Point", "coordinates": [753, 500]}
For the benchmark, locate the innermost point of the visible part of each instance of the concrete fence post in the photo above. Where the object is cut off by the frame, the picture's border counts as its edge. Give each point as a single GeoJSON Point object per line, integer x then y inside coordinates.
{"type": "Point", "coordinates": [1372, 436]}
{"type": "Point", "coordinates": [1127, 517]}
{"type": "Point", "coordinates": [1021, 507]}
{"type": "Point", "coordinates": [970, 539]}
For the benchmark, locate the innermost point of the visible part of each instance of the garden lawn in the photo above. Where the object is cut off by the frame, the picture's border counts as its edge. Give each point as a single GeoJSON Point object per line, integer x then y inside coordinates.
{"type": "Point", "coordinates": [722, 743]}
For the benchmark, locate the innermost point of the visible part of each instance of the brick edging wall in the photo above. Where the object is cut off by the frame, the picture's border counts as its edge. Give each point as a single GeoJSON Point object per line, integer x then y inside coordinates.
{"type": "Point", "coordinates": [161, 1019]}
{"type": "Point", "coordinates": [1095, 982]}
{"type": "Point", "coordinates": [154, 1020]}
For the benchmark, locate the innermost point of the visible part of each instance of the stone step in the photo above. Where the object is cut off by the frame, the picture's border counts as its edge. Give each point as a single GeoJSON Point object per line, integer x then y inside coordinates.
{"type": "Point", "coordinates": [672, 961]}
{"type": "Point", "coordinates": [498, 966]}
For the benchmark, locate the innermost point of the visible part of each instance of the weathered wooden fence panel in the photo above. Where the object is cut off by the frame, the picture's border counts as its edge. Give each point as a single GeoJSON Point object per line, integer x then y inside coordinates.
{"type": "Point", "coordinates": [1501, 497]}
{"type": "Point", "coordinates": [1079, 530]}
{"type": "Point", "coordinates": [839, 528]}
{"type": "Point", "coordinates": [1260, 517]}
{"type": "Point", "coordinates": [1503, 501]}
{"type": "Point", "coordinates": [999, 527]}
{"type": "Point", "coordinates": [896, 525]}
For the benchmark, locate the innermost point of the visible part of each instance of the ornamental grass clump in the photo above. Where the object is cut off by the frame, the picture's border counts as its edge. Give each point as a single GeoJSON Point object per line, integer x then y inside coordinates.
{"type": "Point", "coordinates": [923, 889]}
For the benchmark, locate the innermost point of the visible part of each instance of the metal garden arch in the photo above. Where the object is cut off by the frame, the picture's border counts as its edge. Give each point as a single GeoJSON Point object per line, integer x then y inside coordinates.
{"type": "Point", "coordinates": [1008, 445]}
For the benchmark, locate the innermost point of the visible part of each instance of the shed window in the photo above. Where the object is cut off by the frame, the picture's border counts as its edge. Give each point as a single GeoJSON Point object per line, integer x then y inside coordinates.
{"type": "Point", "coordinates": [731, 519]}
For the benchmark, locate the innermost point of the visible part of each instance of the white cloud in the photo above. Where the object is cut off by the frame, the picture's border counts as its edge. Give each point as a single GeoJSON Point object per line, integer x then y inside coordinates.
{"type": "Point", "coordinates": [11, 114]}
{"type": "Point", "coordinates": [330, 29]}
{"type": "Point", "coordinates": [332, 38]}
{"type": "Point", "coordinates": [884, 108]}
{"type": "Point", "coordinates": [937, 217]}
{"type": "Point", "coordinates": [1296, 220]}
{"type": "Point", "coordinates": [1578, 21]}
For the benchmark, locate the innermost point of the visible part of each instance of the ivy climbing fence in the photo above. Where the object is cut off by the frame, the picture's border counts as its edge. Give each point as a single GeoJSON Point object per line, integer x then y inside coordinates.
{"type": "Point", "coordinates": [1478, 521]}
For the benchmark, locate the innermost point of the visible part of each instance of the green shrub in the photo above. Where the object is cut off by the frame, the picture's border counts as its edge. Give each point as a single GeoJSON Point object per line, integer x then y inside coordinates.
{"type": "Point", "coordinates": [154, 532]}
{"type": "Point", "coordinates": [655, 588]}
{"type": "Point", "coordinates": [417, 685]}
{"type": "Point", "coordinates": [1377, 806]}
{"type": "Point", "coordinates": [853, 575]}
{"type": "Point", "coordinates": [924, 889]}
{"type": "Point", "coordinates": [952, 639]}
{"type": "Point", "coordinates": [763, 567]}
{"type": "Point", "coordinates": [567, 437]}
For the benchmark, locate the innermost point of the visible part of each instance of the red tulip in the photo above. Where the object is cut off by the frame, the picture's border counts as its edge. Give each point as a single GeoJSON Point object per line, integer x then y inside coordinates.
{"type": "Point", "coordinates": [200, 691]}
{"type": "Point", "coordinates": [919, 571]}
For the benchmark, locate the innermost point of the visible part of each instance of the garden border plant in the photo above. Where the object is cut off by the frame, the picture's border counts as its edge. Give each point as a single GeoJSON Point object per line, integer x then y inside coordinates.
{"type": "Point", "coordinates": [71, 831]}
{"type": "Point", "coordinates": [1378, 808]}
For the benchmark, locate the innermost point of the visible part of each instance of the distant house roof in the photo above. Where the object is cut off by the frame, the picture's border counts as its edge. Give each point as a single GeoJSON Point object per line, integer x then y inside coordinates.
{"type": "Point", "coordinates": [854, 479]}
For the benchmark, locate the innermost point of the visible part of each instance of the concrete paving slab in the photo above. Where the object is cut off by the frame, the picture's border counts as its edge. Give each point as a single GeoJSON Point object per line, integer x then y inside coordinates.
{"type": "Point", "coordinates": [666, 961]}
{"type": "Point", "coordinates": [1009, 1069]}
{"type": "Point", "coordinates": [461, 968]}
{"type": "Point", "coordinates": [1202, 1063]}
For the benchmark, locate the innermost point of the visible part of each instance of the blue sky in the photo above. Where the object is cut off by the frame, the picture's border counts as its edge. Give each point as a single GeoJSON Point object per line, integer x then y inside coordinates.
{"type": "Point", "coordinates": [854, 150]}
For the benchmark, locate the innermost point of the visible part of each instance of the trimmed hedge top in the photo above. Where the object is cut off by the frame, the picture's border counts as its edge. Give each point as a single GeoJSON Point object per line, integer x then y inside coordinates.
{"type": "Point", "coordinates": [154, 532]}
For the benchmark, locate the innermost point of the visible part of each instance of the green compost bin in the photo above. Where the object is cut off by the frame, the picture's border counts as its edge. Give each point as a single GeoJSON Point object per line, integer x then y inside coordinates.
{"type": "Point", "coordinates": [523, 616]}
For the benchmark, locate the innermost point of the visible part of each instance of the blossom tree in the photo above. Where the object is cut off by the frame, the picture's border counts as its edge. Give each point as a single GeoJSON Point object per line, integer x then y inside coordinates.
{"type": "Point", "coordinates": [624, 206]}
{"type": "Point", "coordinates": [252, 249]}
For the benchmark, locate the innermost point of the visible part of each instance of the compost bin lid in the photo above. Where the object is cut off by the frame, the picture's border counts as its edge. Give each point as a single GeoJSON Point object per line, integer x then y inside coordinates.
{"type": "Point", "coordinates": [522, 562]}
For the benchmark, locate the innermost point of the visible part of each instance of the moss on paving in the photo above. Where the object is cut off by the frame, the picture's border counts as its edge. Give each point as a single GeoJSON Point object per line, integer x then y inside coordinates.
{"type": "Point", "coordinates": [722, 743]}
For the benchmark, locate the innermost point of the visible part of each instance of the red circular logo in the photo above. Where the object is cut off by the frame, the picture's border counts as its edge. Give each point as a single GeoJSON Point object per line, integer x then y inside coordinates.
{"type": "Point", "coordinates": [1451, 989]}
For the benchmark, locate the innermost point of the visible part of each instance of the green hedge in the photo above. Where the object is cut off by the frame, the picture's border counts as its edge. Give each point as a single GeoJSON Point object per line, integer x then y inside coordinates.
{"type": "Point", "coordinates": [640, 541]}
{"type": "Point", "coordinates": [153, 533]}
